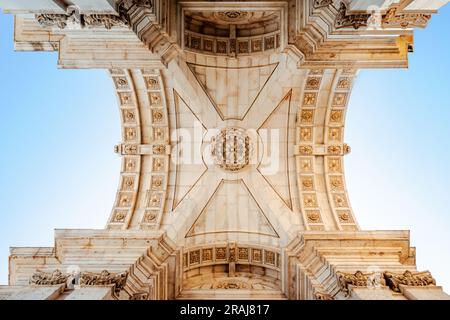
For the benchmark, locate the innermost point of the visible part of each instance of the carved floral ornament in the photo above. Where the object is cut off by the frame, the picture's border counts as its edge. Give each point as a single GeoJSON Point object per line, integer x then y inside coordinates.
{"type": "Point", "coordinates": [391, 19]}
{"type": "Point", "coordinates": [73, 17]}
{"type": "Point", "coordinates": [103, 278]}
{"type": "Point", "coordinates": [390, 279]}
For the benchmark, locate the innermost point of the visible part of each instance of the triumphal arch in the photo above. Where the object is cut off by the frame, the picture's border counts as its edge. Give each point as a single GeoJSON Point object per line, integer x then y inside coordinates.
{"type": "Point", "coordinates": [232, 182]}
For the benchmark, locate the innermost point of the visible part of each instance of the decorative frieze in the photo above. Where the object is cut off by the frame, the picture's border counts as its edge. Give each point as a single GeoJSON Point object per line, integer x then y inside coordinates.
{"type": "Point", "coordinates": [359, 279]}
{"type": "Point", "coordinates": [73, 17]}
{"type": "Point", "coordinates": [390, 279]}
{"type": "Point", "coordinates": [240, 254]}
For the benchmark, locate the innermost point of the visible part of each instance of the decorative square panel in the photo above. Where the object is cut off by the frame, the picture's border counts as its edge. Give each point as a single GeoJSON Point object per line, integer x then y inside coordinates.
{"type": "Point", "coordinates": [121, 83]}
{"type": "Point", "coordinates": [194, 257]}
{"type": "Point", "coordinates": [221, 253]}
{"type": "Point", "coordinates": [207, 255]}
{"type": "Point", "coordinates": [269, 43]}
{"type": "Point", "coordinates": [243, 254]}
{"type": "Point", "coordinates": [336, 116]}
{"type": "Point", "coordinates": [130, 165]}
{"type": "Point", "coordinates": [222, 47]}
{"type": "Point", "coordinates": [119, 216]}
{"type": "Point", "coordinates": [344, 83]}
{"type": "Point", "coordinates": [257, 255]}
{"type": "Point", "coordinates": [269, 257]}
{"type": "Point", "coordinates": [157, 182]}
{"type": "Point", "coordinates": [334, 165]}
{"type": "Point", "coordinates": [125, 199]}
{"type": "Point", "coordinates": [306, 165]}
{"type": "Point", "coordinates": [208, 45]}
{"type": "Point", "coordinates": [313, 83]}
{"type": "Point", "coordinates": [243, 47]}
{"type": "Point", "coordinates": [335, 134]}
{"type": "Point", "coordinates": [313, 216]}
{"type": "Point", "coordinates": [256, 45]}
{"type": "Point", "coordinates": [155, 99]}
{"type": "Point", "coordinates": [158, 164]}
{"type": "Point", "coordinates": [306, 134]}
{"type": "Point", "coordinates": [195, 43]}
{"type": "Point", "coordinates": [159, 134]}
{"type": "Point", "coordinates": [309, 99]}
{"type": "Point", "coordinates": [157, 116]}
{"type": "Point", "coordinates": [152, 83]}
{"type": "Point", "coordinates": [340, 99]}
{"type": "Point", "coordinates": [130, 134]}
{"type": "Point", "coordinates": [309, 200]}
{"type": "Point", "coordinates": [336, 183]}
{"type": "Point", "coordinates": [345, 216]}
{"type": "Point", "coordinates": [127, 183]}
{"type": "Point", "coordinates": [150, 216]}
{"type": "Point", "coordinates": [154, 200]}
{"type": "Point", "coordinates": [307, 183]}
{"type": "Point", "coordinates": [340, 200]}
{"type": "Point", "coordinates": [128, 116]}
{"type": "Point", "coordinates": [125, 98]}
{"type": "Point", "coordinates": [307, 117]}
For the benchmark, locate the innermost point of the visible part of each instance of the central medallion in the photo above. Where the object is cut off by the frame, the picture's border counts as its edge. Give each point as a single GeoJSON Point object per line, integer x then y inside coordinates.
{"type": "Point", "coordinates": [230, 149]}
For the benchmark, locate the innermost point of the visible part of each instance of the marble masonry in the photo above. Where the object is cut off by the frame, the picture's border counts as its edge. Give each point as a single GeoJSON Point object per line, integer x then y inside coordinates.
{"type": "Point", "coordinates": [232, 182]}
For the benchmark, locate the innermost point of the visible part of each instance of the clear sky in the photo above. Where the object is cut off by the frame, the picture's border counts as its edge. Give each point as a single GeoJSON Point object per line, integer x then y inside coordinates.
{"type": "Point", "coordinates": [58, 129]}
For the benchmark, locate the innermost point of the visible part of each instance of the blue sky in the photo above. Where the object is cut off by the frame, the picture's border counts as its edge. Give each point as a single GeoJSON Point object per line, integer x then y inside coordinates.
{"type": "Point", "coordinates": [58, 129]}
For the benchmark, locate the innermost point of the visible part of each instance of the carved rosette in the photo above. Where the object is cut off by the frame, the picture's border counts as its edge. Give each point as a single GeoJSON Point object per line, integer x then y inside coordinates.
{"type": "Point", "coordinates": [231, 149]}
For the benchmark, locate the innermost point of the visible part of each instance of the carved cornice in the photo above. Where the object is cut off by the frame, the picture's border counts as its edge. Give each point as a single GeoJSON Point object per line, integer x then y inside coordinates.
{"type": "Point", "coordinates": [408, 278]}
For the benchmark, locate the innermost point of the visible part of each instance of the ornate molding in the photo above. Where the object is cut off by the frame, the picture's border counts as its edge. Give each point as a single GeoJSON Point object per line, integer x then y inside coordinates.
{"type": "Point", "coordinates": [359, 279]}
{"type": "Point", "coordinates": [104, 278]}
{"type": "Point", "coordinates": [321, 3]}
{"type": "Point", "coordinates": [391, 279]}
{"type": "Point", "coordinates": [344, 20]}
{"type": "Point", "coordinates": [106, 20]}
{"type": "Point", "coordinates": [408, 278]}
{"type": "Point", "coordinates": [393, 19]}
{"type": "Point", "coordinates": [323, 296]}
{"type": "Point", "coordinates": [49, 278]}
{"type": "Point", "coordinates": [52, 20]}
